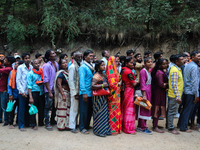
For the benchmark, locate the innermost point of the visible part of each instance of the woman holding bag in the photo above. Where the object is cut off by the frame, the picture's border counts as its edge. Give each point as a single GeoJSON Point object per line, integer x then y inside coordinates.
{"type": "Point", "coordinates": [101, 122]}
{"type": "Point", "coordinates": [128, 109]}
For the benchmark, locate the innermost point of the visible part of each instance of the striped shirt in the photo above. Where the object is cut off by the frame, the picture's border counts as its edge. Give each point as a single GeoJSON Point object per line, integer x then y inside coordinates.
{"type": "Point", "coordinates": [191, 79]}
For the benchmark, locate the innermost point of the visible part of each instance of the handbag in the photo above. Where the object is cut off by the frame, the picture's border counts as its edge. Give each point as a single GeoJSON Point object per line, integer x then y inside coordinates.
{"type": "Point", "coordinates": [146, 104]}
{"type": "Point", "coordinates": [101, 92]}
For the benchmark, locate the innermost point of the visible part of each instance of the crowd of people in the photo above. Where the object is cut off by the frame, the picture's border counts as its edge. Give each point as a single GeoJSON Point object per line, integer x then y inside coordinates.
{"type": "Point", "coordinates": [104, 89]}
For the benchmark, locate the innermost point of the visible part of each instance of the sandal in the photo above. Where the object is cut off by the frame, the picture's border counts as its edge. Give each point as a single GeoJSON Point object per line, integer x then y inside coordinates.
{"type": "Point", "coordinates": [49, 128]}
{"type": "Point", "coordinates": [22, 129]}
{"type": "Point", "coordinates": [84, 131]}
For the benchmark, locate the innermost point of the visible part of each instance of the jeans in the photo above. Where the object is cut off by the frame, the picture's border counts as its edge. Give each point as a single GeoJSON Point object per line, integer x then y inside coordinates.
{"type": "Point", "coordinates": [3, 106]}
{"type": "Point", "coordinates": [23, 114]}
{"type": "Point", "coordinates": [171, 111]}
{"type": "Point", "coordinates": [49, 105]}
{"type": "Point", "coordinates": [188, 106]}
{"type": "Point", "coordinates": [85, 112]}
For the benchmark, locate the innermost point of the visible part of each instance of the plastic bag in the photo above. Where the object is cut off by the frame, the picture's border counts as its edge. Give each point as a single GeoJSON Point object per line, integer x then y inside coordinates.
{"type": "Point", "coordinates": [140, 102]}
{"type": "Point", "coordinates": [33, 109]}
{"type": "Point", "coordinates": [10, 105]}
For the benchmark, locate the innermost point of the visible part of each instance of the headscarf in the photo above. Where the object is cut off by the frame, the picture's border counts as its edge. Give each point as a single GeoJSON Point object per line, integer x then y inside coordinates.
{"type": "Point", "coordinates": [112, 74]}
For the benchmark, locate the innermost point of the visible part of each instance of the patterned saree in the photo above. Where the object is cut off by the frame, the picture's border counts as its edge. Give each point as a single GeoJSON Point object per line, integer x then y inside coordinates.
{"type": "Point", "coordinates": [114, 100]}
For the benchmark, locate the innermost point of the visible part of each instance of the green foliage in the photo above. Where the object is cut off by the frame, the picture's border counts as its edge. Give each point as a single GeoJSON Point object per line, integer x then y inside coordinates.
{"type": "Point", "coordinates": [59, 21]}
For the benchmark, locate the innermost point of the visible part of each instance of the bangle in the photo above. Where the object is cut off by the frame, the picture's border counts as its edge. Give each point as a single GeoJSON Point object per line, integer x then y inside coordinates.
{"type": "Point", "coordinates": [102, 86]}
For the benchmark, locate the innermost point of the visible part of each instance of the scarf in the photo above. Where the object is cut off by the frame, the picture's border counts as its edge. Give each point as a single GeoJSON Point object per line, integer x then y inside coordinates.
{"type": "Point", "coordinates": [12, 78]}
{"type": "Point", "coordinates": [56, 91]}
{"type": "Point", "coordinates": [89, 65]}
{"type": "Point", "coordinates": [39, 72]}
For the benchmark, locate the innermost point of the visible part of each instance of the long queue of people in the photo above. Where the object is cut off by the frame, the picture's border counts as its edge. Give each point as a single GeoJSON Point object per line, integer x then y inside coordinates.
{"type": "Point", "coordinates": [104, 89]}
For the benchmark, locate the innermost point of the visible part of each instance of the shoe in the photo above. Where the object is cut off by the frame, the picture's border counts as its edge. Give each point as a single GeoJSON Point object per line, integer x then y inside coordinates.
{"type": "Point", "coordinates": [139, 130]}
{"type": "Point", "coordinates": [161, 118]}
{"type": "Point", "coordinates": [147, 131]}
{"type": "Point", "coordinates": [49, 128]}
{"type": "Point", "coordinates": [74, 131]}
{"type": "Point", "coordinates": [158, 130]}
{"type": "Point", "coordinates": [174, 132]}
{"type": "Point", "coordinates": [22, 129]}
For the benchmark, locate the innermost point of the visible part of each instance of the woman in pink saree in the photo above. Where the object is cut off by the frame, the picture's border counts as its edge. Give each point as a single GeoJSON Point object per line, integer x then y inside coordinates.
{"type": "Point", "coordinates": [128, 109]}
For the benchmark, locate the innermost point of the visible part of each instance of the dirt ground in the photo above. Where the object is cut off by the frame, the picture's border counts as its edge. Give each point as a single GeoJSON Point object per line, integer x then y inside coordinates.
{"type": "Point", "coordinates": [13, 139]}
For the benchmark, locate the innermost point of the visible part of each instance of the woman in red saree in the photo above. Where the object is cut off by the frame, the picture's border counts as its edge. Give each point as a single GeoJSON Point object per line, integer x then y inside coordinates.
{"type": "Point", "coordinates": [114, 99]}
{"type": "Point", "coordinates": [128, 109]}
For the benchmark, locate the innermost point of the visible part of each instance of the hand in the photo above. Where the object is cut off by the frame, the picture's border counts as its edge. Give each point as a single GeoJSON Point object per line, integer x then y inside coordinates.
{"type": "Point", "coordinates": [119, 84]}
{"type": "Point", "coordinates": [144, 99]}
{"type": "Point", "coordinates": [85, 97]}
{"type": "Point", "coordinates": [179, 101]}
{"type": "Point", "coordinates": [11, 97]}
{"type": "Point", "coordinates": [77, 97]}
{"type": "Point", "coordinates": [196, 100]}
{"type": "Point", "coordinates": [24, 95]}
{"type": "Point", "coordinates": [31, 101]}
{"type": "Point", "coordinates": [50, 95]}
{"type": "Point", "coordinates": [105, 85]}
{"type": "Point", "coordinates": [64, 97]}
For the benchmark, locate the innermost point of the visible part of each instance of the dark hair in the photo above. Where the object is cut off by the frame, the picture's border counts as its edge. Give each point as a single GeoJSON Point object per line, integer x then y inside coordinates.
{"type": "Point", "coordinates": [37, 55]}
{"type": "Point", "coordinates": [72, 53]}
{"type": "Point", "coordinates": [155, 69]}
{"type": "Point", "coordinates": [136, 55]}
{"type": "Point", "coordinates": [86, 53]}
{"type": "Point", "coordinates": [103, 53]}
{"type": "Point", "coordinates": [62, 56]}
{"type": "Point", "coordinates": [127, 60]}
{"type": "Point", "coordinates": [172, 57]}
{"type": "Point", "coordinates": [128, 52]}
{"type": "Point", "coordinates": [193, 53]}
{"type": "Point", "coordinates": [47, 54]}
{"type": "Point", "coordinates": [11, 59]}
{"type": "Point", "coordinates": [157, 55]}
{"type": "Point", "coordinates": [122, 58]}
{"type": "Point", "coordinates": [147, 59]}
{"type": "Point", "coordinates": [176, 57]}
{"type": "Point", "coordinates": [147, 53]}
{"type": "Point", "coordinates": [116, 56]}
{"type": "Point", "coordinates": [20, 62]}
{"type": "Point", "coordinates": [98, 64]}
{"type": "Point", "coordinates": [24, 55]}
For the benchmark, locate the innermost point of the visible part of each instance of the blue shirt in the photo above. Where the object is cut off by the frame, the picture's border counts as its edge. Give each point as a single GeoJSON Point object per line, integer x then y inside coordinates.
{"type": "Point", "coordinates": [12, 92]}
{"type": "Point", "coordinates": [191, 79]}
{"type": "Point", "coordinates": [21, 78]}
{"type": "Point", "coordinates": [85, 80]}
{"type": "Point", "coordinates": [31, 82]}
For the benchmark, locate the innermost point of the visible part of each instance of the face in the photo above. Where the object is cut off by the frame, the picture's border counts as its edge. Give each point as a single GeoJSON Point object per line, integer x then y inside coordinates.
{"type": "Point", "coordinates": [78, 58]}
{"type": "Point", "coordinates": [161, 56]}
{"type": "Point", "coordinates": [40, 59]}
{"type": "Point", "coordinates": [164, 65]}
{"type": "Point", "coordinates": [130, 64]}
{"type": "Point", "coordinates": [180, 62]}
{"type": "Point", "coordinates": [107, 54]}
{"type": "Point", "coordinates": [27, 59]}
{"type": "Point", "coordinates": [64, 64]}
{"type": "Point", "coordinates": [117, 61]}
{"type": "Point", "coordinates": [102, 67]}
{"type": "Point", "coordinates": [89, 57]}
{"type": "Point", "coordinates": [2, 57]}
{"type": "Point", "coordinates": [196, 58]}
{"type": "Point", "coordinates": [16, 65]}
{"type": "Point", "coordinates": [131, 55]}
{"type": "Point", "coordinates": [36, 64]}
{"type": "Point", "coordinates": [66, 58]}
{"type": "Point", "coordinates": [6, 62]}
{"type": "Point", "coordinates": [94, 59]}
{"type": "Point", "coordinates": [52, 56]}
{"type": "Point", "coordinates": [149, 63]}
{"type": "Point", "coordinates": [139, 58]}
